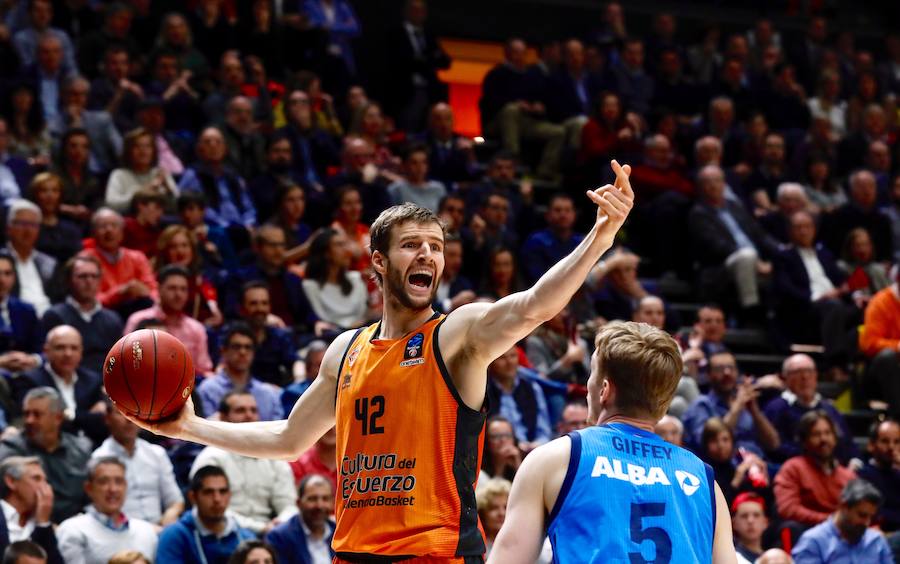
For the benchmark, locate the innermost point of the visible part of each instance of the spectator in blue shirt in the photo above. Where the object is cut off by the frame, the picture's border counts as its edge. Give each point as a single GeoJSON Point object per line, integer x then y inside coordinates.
{"type": "Point", "coordinates": [515, 396]}
{"type": "Point", "coordinates": [238, 347]}
{"type": "Point", "coordinates": [735, 403]}
{"type": "Point", "coordinates": [883, 470]}
{"type": "Point", "coordinates": [208, 533]}
{"type": "Point", "coordinates": [801, 396]}
{"type": "Point", "coordinates": [846, 536]}
{"type": "Point", "coordinates": [305, 538]}
{"type": "Point", "coordinates": [315, 352]}
{"type": "Point", "coordinates": [228, 202]}
{"type": "Point", "coordinates": [548, 246]}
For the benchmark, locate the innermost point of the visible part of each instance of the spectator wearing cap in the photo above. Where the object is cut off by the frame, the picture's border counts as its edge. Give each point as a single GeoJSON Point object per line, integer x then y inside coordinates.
{"type": "Point", "coordinates": [113, 91]}
{"type": "Point", "coordinates": [808, 486]}
{"type": "Point", "coordinates": [127, 283]}
{"type": "Point", "coordinates": [173, 281]}
{"type": "Point", "coordinates": [883, 470]}
{"type": "Point", "coordinates": [99, 327]}
{"type": "Point", "coordinates": [845, 536]}
{"type": "Point", "coordinates": [749, 521]}
{"type": "Point", "coordinates": [140, 171]}
{"type": "Point", "coordinates": [879, 339]}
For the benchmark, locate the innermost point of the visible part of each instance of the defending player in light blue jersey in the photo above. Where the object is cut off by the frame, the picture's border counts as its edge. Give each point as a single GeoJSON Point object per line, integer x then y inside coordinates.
{"type": "Point", "coordinates": [616, 492]}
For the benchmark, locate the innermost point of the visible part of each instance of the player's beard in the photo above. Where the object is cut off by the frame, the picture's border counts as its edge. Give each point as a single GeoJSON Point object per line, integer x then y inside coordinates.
{"type": "Point", "coordinates": [396, 289]}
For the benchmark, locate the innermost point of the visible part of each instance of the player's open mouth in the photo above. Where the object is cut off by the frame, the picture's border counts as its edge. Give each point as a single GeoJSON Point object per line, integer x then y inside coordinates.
{"type": "Point", "coordinates": [420, 279]}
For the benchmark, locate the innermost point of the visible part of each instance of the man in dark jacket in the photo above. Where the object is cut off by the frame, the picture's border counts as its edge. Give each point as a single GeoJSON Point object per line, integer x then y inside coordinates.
{"type": "Point", "coordinates": [809, 286]}
{"type": "Point", "coordinates": [860, 211]}
{"type": "Point", "coordinates": [309, 532]}
{"type": "Point", "coordinates": [208, 533]}
{"type": "Point", "coordinates": [80, 388]}
{"type": "Point", "coordinates": [723, 233]}
{"type": "Point", "coordinates": [882, 470]}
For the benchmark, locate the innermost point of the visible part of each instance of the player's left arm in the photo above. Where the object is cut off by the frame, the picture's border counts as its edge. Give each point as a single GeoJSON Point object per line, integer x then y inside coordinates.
{"type": "Point", "coordinates": [522, 535]}
{"type": "Point", "coordinates": [489, 330]}
{"type": "Point", "coordinates": [723, 543]}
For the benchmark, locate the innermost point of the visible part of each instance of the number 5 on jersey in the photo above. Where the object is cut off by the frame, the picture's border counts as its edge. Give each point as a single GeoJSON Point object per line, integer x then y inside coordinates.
{"type": "Point", "coordinates": [367, 412]}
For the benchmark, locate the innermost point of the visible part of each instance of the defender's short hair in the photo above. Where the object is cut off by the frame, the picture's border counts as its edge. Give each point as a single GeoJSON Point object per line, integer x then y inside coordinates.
{"type": "Point", "coordinates": [643, 362]}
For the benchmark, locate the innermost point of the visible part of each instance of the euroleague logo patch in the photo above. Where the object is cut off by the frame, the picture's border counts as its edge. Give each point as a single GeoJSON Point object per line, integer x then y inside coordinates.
{"type": "Point", "coordinates": [351, 358]}
{"type": "Point", "coordinates": [413, 353]}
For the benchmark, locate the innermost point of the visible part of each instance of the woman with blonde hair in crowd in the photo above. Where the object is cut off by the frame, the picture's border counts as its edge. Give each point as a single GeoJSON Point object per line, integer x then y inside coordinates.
{"type": "Point", "coordinates": [177, 245]}
{"type": "Point", "coordinates": [139, 171]}
{"type": "Point", "coordinates": [491, 497]}
{"type": "Point", "coordinates": [59, 237]}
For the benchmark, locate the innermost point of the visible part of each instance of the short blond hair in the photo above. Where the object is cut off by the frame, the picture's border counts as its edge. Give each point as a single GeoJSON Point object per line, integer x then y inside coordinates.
{"type": "Point", "coordinates": [490, 489]}
{"type": "Point", "coordinates": [380, 231]}
{"type": "Point", "coordinates": [643, 362]}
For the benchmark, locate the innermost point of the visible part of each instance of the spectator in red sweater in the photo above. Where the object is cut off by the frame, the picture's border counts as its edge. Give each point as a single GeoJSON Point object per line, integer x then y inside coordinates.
{"type": "Point", "coordinates": [808, 487]}
{"type": "Point", "coordinates": [879, 340]}
{"type": "Point", "coordinates": [608, 134]}
{"type": "Point", "coordinates": [127, 283]}
{"type": "Point", "coordinates": [657, 173]}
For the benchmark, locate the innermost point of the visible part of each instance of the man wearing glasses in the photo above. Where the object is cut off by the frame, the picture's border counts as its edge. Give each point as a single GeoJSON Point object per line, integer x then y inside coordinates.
{"type": "Point", "coordinates": [36, 271]}
{"type": "Point", "coordinates": [238, 347]}
{"type": "Point", "coordinates": [100, 327]}
{"type": "Point", "coordinates": [734, 400]}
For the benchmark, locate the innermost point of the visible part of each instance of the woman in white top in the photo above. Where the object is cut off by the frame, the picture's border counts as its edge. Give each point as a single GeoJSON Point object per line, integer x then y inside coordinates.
{"type": "Point", "coordinates": [828, 104]}
{"type": "Point", "coordinates": [338, 295]}
{"type": "Point", "coordinates": [139, 171]}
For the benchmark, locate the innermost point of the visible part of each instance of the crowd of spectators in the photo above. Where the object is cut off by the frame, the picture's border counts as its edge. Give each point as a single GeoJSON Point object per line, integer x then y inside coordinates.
{"type": "Point", "coordinates": [210, 169]}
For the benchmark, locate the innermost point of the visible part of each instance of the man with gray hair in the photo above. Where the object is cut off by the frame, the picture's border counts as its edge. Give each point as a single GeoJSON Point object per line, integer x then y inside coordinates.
{"type": "Point", "coordinates": [64, 456]}
{"type": "Point", "coordinates": [40, 279]}
{"type": "Point", "coordinates": [103, 529]}
{"type": "Point", "coordinates": [27, 503]}
{"type": "Point", "coordinates": [845, 536]}
{"type": "Point", "coordinates": [861, 211]}
{"type": "Point", "coordinates": [723, 233]}
{"type": "Point", "coordinates": [790, 198]}
{"type": "Point", "coordinates": [127, 282]}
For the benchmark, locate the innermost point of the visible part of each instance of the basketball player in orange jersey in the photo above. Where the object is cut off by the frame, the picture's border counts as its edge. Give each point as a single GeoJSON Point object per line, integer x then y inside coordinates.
{"type": "Point", "coordinates": [407, 394]}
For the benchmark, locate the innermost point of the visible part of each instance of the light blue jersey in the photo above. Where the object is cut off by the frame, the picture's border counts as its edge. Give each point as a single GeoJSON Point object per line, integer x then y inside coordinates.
{"type": "Point", "coordinates": [629, 496]}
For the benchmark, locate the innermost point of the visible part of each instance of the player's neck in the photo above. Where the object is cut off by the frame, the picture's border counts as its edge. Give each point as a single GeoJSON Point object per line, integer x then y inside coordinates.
{"type": "Point", "coordinates": [642, 424]}
{"type": "Point", "coordinates": [398, 320]}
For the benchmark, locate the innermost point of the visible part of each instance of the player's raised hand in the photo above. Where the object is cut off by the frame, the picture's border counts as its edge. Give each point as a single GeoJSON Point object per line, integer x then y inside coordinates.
{"type": "Point", "coordinates": [172, 426]}
{"type": "Point", "coordinates": [614, 202]}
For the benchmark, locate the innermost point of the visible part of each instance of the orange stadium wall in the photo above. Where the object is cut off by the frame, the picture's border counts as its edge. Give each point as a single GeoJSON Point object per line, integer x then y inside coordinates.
{"type": "Point", "coordinates": [471, 61]}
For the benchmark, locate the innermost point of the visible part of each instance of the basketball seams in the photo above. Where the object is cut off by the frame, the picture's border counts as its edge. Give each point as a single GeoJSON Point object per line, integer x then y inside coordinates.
{"type": "Point", "coordinates": [155, 368]}
{"type": "Point", "coordinates": [177, 391]}
{"type": "Point", "coordinates": [125, 379]}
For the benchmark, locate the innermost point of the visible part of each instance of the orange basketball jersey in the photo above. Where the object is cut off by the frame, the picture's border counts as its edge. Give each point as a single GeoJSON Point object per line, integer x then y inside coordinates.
{"type": "Point", "coordinates": [408, 451]}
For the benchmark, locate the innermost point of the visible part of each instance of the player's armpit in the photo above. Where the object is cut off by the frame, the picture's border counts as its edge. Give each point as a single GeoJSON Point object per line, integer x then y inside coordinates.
{"type": "Point", "coordinates": [723, 543]}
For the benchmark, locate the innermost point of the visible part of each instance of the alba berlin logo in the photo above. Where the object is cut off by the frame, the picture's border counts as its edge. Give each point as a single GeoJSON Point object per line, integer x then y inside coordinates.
{"type": "Point", "coordinates": [688, 482]}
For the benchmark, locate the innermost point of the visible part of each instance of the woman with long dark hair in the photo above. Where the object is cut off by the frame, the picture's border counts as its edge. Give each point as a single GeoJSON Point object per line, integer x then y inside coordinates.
{"type": "Point", "coordinates": [29, 137]}
{"type": "Point", "coordinates": [337, 294]}
{"type": "Point", "coordinates": [82, 192]}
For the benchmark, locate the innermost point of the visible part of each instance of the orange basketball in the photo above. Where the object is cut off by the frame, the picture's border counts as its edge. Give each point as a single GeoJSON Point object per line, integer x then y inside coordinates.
{"type": "Point", "coordinates": [148, 374]}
